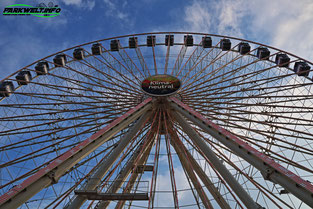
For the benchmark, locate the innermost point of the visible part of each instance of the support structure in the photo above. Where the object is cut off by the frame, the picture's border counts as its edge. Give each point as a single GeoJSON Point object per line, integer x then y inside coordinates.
{"type": "Point", "coordinates": [179, 148]}
{"type": "Point", "coordinates": [51, 173]}
{"type": "Point", "coordinates": [227, 176]}
{"type": "Point", "coordinates": [185, 156]}
{"type": "Point", "coordinates": [139, 152]}
{"type": "Point", "coordinates": [268, 167]}
{"type": "Point", "coordinates": [95, 179]}
{"type": "Point", "coordinates": [134, 176]}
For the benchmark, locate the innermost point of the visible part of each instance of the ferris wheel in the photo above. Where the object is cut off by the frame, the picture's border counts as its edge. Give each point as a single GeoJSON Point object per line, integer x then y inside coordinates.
{"type": "Point", "coordinates": [159, 120]}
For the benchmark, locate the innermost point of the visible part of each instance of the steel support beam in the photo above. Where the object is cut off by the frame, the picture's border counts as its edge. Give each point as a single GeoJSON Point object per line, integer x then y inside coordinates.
{"type": "Point", "coordinates": [118, 181]}
{"type": "Point", "coordinates": [186, 163]}
{"type": "Point", "coordinates": [57, 168]}
{"type": "Point", "coordinates": [95, 179]}
{"type": "Point", "coordinates": [94, 195]}
{"type": "Point", "coordinates": [267, 166]}
{"type": "Point", "coordinates": [218, 165]}
{"type": "Point", "coordinates": [142, 160]}
{"type": "Point", "coordinates": [186, 156]}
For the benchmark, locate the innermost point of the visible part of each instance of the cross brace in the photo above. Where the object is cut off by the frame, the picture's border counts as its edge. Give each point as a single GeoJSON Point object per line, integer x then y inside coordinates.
{"type": "Point", "coordinates": [266, 165]}
{"type": "Point", "coordinates": [42, 178]}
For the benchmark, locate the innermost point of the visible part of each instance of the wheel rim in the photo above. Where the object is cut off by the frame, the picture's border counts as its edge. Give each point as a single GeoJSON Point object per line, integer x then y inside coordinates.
{"type": "Point", "coordinates": [265, 105]}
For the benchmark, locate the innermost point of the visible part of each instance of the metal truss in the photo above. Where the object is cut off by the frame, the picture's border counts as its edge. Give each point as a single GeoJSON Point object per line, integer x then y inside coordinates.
{"type": "Point", "coordinates": [268, 167]}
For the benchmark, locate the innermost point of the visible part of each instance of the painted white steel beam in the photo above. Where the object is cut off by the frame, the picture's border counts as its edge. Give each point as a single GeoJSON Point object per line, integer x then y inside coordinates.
{"type": "Point", "coordinates": [94, 180]}
{"type": "Point", "coordinates": [218, 165]}
{"type": "Point", "coordinates": [57, 168]}
{"type": "Point", "coordinates": [270, 169]}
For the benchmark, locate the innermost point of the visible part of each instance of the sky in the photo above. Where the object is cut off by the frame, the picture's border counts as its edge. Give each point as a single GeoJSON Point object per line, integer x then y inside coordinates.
{"type": "Point", "coordinates": [285, 24]}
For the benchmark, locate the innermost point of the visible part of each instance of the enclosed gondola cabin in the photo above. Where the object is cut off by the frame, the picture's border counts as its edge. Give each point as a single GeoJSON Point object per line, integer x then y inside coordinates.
{"type": "Point", "coordinates": [115, 45]}
{"type": "Point", "coordinates": [302, 68]}
{"type": "Point", "coordinates": [133, 42]}
{"type": "Point", "coordinates": [79, 54]}
{"type": "Point", "coordinates": [6, 88]}
{"type": "Point", "coordinates": [59, 60]}
{"type": "Point", "coordinates": [225, 44]}
{"type": "Point", "coordinates": [42, 68]}
{"type": "Point", "coordinates": [244, 48]}
{"type": "Point", "coordinates": [188, 40]}
{"type": "Point", "coordinates": [96, 49]}
{"type": "Point", "coordinates": [206, 42]}
{"type": "Point", "coordinates": [263, 53]}
{"type": "Point", "coordinates": [23, 77]}
{"type": "Point", "coordinates": [282, 60]}
{"type": "Point", "coordinates": [169, 40]}
{"type": "Point", "coordinates": [151, 41]}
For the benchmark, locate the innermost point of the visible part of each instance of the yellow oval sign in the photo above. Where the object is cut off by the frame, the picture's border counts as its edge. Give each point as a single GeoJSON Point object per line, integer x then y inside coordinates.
{"type": "Point", "coordinates": [160, 85]}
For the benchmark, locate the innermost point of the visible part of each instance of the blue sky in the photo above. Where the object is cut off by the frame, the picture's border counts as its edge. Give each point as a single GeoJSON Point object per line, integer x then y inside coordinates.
{"type": "Point", "coordinates": [285, 24]}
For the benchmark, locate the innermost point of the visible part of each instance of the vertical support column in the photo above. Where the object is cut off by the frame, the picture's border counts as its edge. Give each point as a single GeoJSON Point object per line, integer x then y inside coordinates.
{"type": "Point", "coordinates": [185, 156]}
{"type": "Point", "coordinates": [134, 176]}
{"type": "Point", "coordinates": [50, 174]}
{"type": "Point", "coordinates": [223, 171]}
{"type": "Point", "coordinates": [104, 168]}
{"type": "Point", "coordinates": [270, 169]}
{"type": "Point", "coordinates": [189, 169]}
{"type": "Point", "coordinates": [140, 151]}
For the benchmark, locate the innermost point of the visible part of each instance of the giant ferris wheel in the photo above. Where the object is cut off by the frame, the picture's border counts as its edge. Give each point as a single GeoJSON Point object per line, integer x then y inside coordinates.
{"type": "Point", "coordinates": [159, 120]}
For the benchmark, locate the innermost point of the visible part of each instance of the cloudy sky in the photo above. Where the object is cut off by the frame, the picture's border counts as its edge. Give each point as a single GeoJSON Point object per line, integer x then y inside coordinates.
{"type": "Point", "coordinates": [285, 24]}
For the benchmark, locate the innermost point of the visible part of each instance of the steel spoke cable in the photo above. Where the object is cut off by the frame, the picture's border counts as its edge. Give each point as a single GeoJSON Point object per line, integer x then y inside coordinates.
{"type": "Point", "coordinates": [32, 117]}
{"type": "Point", "coordinates": [256, 121]}
{"type": "Point", "coordinates": [232, 76]}
{"type": "Point", "coordinates": [107, 75]}
{"type": "Point", "coordinates": [31, 172]}
{"type": "Point", "coordinates": [200, 61]}
{"type": "Point", "coordinates": [212, 166]}
{"type": "Point", "coordinates": [189, 59]}
{"type": "Point", "coordinates": [170, 162]}
{"type": "Point", "coordinates": [229, 73]}
{"type": "Point", "coordinates": [128, 70]}
{"type": "Point", "coordinates": [111, 78]}
{"type": "Point", "coordinates": [250, 178]}
{"type": "Point", "coordinates": [54, 132]}
{"type": "Point", "coordinates": [142, 61]}
{"type": "Point", "coordinates": [63, 88]}
{"type": "Point", "coordinates": [123, 52]}
{"type": "Point", "coordinates": [99, 81]}
{"type": "Point", "coordinates": [46, 147]}
{"type": "Point", "coordinates": [91, 78]}
{"type": "Point", "coordinates": [180, 58]}
{"type": "Point", "coordinates": [217, 109]}
{"type": "Point", "coordinates": [195, 78]}
{"type": "Point", "coordinates": [109, 65]}
{"type": "Point", "coordinates": [252, 141]}
{"type": "Point", "coordinates": [59, 120]}
{"type": "Point", "coordinates": [206, 159]}
{"type": "Point", "coordinates": [239, 83]}
{"type": "Point", "coordinates": [226, 94]}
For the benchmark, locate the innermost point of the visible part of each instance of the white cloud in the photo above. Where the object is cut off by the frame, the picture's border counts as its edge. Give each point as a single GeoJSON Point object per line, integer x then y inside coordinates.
{"type": "Point", "coordinates": [198, 17]}
{"type": "Point", "coordinates": [222, 17]}
{"type": "Point", "coordinates": [285, 24]}
{"type": "Point", "coordinates": [115, 10]}
{"type": "Point", "coordinates": [288, 24]}
{"type": "Point", "coordinates": [85, 4]}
